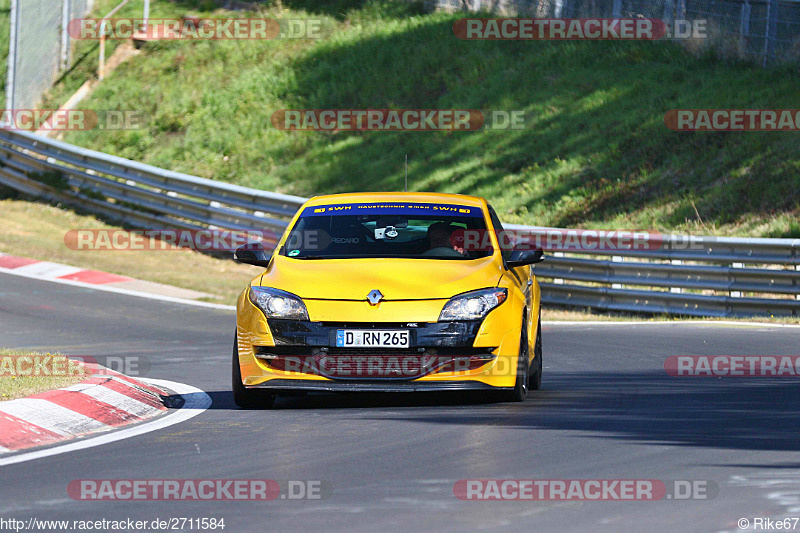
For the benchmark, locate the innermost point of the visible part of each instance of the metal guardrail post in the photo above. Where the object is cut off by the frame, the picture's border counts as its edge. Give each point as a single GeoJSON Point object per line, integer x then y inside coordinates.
{"type": "Point", "coordinates": [732, 279]}
{"type": "Point", "coordinates": [797, 268]}
{"type": "Point", "coordinates": [13, 50]}
{"type": "Point", "coordinates": [101, 64]}
{"type": "Point", "coordinates": [744, 28]}
{"type": "Point", "coordinates": [770, 31]}
{"type": "Point", "coordinates": [795, 253]}
{"type": "Point", "coordinates": [616, 259]}
{"type": "Point", "coordinates": [101, 68]}
{"type": "Point", "coordinates": [66, 10]}
{"type": "Point", "coordinates": [676, 290]}
{"type": "Point", "coordinates": [667, 16]}
{"type": "Point", "coordinates": [558, 281]}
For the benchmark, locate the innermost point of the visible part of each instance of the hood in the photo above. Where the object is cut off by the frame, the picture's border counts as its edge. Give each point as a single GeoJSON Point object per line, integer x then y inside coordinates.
{"type": "Point", "coordinates": [397, 279]}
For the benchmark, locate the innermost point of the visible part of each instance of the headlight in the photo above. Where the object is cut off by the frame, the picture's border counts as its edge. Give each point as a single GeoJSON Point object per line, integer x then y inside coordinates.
{"type": "Point", "coordinates": [278, 304]}
{"type": "Point", "coordinates": [472, 305]}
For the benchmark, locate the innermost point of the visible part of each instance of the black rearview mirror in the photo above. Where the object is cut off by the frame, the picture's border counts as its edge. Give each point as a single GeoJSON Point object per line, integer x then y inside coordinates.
{"type": "Point", "coordinates": [520, 258]}
{"type": "Point", "coordinates": [252, 254]}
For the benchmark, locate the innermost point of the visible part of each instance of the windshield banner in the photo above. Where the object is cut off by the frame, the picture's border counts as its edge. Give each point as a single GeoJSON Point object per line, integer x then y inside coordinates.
{"type": "Point", "coordinates": [410, 209]}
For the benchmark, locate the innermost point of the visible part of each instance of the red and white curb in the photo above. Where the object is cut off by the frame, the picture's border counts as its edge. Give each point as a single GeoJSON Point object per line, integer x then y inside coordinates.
{"type": "Point", "coordinates": [48, 270]}
{"type": "Point", "coordinates": [104, 401]}
{"type": "Point", "coordinates": [195, 402]}
{"type": "Point", "coordinates": [92, 279]}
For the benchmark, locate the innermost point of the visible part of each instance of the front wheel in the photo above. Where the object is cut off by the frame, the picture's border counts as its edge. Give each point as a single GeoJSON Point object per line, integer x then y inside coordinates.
{"type": "Point", "coordinates": [520, 391]}
{"type": "Point", "coordinates": [242, 396]}
{"type": "Point", "coordinates": [535, 381]}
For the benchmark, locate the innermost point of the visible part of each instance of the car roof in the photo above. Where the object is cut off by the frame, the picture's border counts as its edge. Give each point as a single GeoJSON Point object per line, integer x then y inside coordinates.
{"type": "Point", "coordinates": [422, 197]}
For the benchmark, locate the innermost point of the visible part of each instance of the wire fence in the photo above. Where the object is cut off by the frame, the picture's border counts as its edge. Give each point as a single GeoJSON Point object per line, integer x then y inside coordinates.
{"type": "Point", "coordinates": [767, 31]}
{"type": "Point", "coordinates": [39, 47]}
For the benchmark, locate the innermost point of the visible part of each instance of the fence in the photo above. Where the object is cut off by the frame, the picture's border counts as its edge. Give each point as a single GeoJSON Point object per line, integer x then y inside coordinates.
{"type": "Point", "coordinates": [701, 276]}
{"type": "Point", "coordinates": [39, 47]}
{"type": "Point", "coordinates": [765, 30]}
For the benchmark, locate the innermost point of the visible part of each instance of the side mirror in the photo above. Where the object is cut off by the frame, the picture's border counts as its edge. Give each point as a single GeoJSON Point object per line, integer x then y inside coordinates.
{"type": "Point", "coordinates": [520, 258]}
{"type": "Point", "coordinates": [252, 254]}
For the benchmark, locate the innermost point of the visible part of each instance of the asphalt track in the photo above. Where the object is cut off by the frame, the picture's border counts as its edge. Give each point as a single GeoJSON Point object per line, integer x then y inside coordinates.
{"type": "Point", "coordinates": [607, 411]}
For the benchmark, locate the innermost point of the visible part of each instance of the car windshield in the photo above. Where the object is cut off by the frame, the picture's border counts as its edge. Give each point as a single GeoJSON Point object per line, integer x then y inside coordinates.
{"type": "Point", "coordinates": [418, 230]}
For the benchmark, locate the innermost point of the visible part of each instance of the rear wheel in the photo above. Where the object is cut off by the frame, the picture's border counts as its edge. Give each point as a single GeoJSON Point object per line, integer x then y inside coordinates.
{"type": "Point", "coordinates": [520, 391]}
{"type": "Point", "coordinates": [535, 381]}
{"type": "Point", "coordinates": [242, 396]}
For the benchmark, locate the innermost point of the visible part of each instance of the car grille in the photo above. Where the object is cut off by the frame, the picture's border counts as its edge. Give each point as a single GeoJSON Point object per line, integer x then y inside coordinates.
{"type": "Point", "coordinates": [346, 363]}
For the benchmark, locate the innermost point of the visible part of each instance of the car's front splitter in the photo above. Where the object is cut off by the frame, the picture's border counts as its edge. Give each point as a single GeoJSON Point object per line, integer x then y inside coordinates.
{"type": "Point", "coordinates": [284, 385]}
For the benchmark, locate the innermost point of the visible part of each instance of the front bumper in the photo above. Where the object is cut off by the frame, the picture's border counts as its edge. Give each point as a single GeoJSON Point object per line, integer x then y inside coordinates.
{"type": "Point", "coordinates": [281, 385]}
{"type": "Point", "coordinates": [310, 348]}
{"type": "Point", "coordinates": [299, 355]}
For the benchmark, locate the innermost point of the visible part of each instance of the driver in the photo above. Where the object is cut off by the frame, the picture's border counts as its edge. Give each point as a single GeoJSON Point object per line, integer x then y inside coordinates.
{"type": "Point", "coordinates": [443, 241]}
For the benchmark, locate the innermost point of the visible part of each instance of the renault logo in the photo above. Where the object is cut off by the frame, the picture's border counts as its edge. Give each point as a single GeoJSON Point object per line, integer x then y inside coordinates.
{"type": "Point", "coordinates": [374, 296]}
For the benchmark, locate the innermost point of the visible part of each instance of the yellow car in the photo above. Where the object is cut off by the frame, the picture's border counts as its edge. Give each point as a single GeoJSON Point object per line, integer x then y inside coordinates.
{"type": "Point", "coordinates": [389, 292]}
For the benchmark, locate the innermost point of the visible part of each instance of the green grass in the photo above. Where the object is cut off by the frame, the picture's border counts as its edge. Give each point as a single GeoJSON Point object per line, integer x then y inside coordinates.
{"type": "Point", "coordinates": [36, 230]}
{"type": "Point", "coordinates": [596, 152]}
{"type": "Point", "coordinates": [18, 386]}
{"type": "Point", "coordinates": [86, 53]}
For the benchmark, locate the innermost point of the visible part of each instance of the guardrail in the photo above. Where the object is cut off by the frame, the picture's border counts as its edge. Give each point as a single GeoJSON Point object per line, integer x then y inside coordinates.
{"type": "Point", "coordinates": [684, 275]}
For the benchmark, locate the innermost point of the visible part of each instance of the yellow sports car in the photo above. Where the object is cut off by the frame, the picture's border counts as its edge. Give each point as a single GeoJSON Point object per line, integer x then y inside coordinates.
{"type": "Point", "coordinates": [389, 292]}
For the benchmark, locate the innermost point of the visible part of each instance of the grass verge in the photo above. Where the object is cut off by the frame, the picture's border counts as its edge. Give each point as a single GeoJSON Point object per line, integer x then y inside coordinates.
{"type": "Point", "coordinates": [36, 230]}
{"type": "Point", "coordinates": [19, 386]}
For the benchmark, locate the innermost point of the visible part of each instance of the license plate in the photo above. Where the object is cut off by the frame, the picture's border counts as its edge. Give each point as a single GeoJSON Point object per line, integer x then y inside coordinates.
{"type": "Point", "coordinates": [371, 338]}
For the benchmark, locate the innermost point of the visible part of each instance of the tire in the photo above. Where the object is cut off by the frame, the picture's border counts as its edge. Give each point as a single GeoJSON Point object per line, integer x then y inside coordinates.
{"type": "Point", "coordinates": [242, 396]}
{"type": "Point", "coordinates": [535, 381]}
{"type": "Point", "coordinates": [520, 391]}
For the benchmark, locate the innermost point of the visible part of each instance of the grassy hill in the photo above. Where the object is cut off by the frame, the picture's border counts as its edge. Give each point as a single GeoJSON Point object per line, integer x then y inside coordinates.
{"type": "Point", "coordinates": [596, 154]}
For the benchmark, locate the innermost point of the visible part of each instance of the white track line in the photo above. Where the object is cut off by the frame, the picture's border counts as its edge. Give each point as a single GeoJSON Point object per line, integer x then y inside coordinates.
{"type": "Point", "coordinates": [117, 290]}
{"type": "Point", "coordinates": [196, 402]}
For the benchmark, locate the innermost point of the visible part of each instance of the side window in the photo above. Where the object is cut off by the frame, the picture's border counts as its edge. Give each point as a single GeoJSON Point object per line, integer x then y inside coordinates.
{"type": "Point", "coordinates": [498, 227]}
